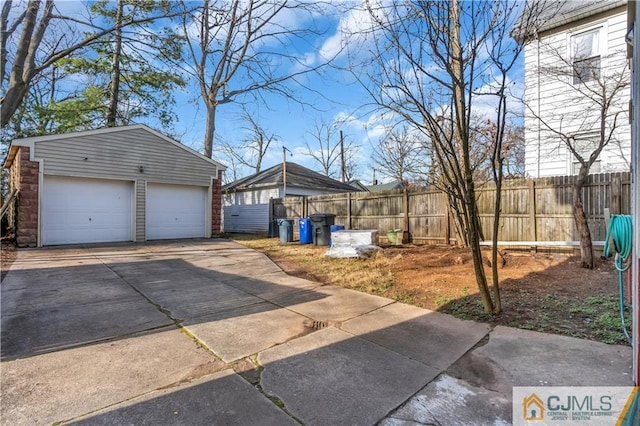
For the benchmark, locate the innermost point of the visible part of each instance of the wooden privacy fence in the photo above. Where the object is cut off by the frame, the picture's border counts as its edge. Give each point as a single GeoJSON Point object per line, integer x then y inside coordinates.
{"type": "Point", "coordinates": [533, 210]}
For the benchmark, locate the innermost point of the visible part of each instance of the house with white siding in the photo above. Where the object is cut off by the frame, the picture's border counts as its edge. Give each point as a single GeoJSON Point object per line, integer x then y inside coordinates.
{"type": "Point", "coordinates": [246, 201]}
{"type": "Point", "coordinates": [574, 61]}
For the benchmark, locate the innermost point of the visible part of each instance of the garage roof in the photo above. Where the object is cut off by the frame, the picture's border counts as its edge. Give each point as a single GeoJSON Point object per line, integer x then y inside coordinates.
{"type": "Point", "coordinates": [297, 176]}
{"type": "Point", "coordinates": [13, 148]}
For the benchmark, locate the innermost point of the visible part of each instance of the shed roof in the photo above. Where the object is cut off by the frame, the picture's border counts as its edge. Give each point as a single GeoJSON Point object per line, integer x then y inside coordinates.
{"type": "Point", "coordinates": [13, 148]}
{"type": "Point", "coordinates": [548, 15]}
{"type": "Point", "coordinates": [297, 176]}
{"type": "Point", "coordinates": [386, 186]}
{"type": "Point", "coordinates": [358, 185]}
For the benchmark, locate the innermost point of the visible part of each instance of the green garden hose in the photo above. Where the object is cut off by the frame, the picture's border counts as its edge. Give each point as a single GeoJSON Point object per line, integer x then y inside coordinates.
{"type": "Point", "coordinates": [621, 231]}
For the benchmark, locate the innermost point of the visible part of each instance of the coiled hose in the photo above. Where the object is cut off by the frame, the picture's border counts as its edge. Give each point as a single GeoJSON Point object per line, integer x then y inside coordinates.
{"type": "Point", "coordinates": [621, 231]}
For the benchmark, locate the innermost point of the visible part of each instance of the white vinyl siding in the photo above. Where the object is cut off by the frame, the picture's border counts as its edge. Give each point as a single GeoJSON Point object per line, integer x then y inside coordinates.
{"type": "Point", "coordinates": [140, 222]}
{"type": "Point", "coordinates": [248, 210]}
{"type": "Point", "coordinates": [120, 154]}
{"type": "Point", "coordinates": [246, 218]}
{"type": "Point", "coordinates": [79, 210]}
{"type": "Point", "coordinates": [556, 99]}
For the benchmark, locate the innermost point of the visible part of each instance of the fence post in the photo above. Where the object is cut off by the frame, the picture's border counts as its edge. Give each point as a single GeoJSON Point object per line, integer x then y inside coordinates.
{"type": "Point", "coordinates": [271, 204]}
{"type": "Point", "coordinates": [405, 207]}
{"type": "Point", "coordinates": [348, 210]}
{"type": "Point", "coordinates": [616, 194]}
{"type": "Point", "coordinates": [533, 235]}
{"type": "Point", "coordinates": [447, 224]}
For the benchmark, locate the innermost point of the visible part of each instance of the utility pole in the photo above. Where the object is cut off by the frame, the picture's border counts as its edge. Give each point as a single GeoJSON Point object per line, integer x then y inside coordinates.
{"type": "Point", "coordinates": [343, 171]}
{"type": "Point", "coordinates": [284, 171]}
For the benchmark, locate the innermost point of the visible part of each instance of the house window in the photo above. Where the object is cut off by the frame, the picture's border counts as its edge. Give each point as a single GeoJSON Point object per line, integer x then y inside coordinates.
{"type": "Point", "coordinates": [594, 169]}
{"type": "Point", "coordinates": [584, 146]}
{"type": "Point", "coordinates": [586, 56]}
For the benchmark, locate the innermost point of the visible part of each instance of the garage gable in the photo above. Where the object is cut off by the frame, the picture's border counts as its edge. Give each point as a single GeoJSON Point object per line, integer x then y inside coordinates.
{"type": "Point", "coordinates": [130, 152]}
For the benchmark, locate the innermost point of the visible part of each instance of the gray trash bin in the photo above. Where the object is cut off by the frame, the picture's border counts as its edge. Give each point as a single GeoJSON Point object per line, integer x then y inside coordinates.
{"type": "Point", "coordinates": [321, 227]}
{"type": "Point", "coordinates": [273, 229]}
{"type": "Point", "coordinates": [286, 230]}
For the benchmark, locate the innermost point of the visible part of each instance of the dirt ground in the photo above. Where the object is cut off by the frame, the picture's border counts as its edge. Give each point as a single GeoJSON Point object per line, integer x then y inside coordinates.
{"type": "Point", "coordinates": [546, 292]}
{"type": "Point", "coordinates": [7, 256]}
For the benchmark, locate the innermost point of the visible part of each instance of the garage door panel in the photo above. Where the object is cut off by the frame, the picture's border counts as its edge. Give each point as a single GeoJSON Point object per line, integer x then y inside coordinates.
{"type": "Point", "coordinates": [77, 210]}
{"type": "Point", "coordinates": [176, 211]}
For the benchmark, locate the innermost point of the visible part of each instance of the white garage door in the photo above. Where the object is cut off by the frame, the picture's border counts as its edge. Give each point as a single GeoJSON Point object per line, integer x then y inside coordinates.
{"type": "Point", "coordinates": [176, 211]}
{"type": "Point", "coordinates": [79, 210]}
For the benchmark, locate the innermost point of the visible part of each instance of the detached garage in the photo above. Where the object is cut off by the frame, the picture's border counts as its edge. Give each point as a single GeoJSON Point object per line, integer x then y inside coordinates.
{"type": "Point", "coordinates": [115, 184]}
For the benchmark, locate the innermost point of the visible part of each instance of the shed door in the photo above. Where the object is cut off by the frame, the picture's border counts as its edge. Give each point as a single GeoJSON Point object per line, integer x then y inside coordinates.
{"type": "Point", "coordinates": [176, 211]}
{"type": "Point", "coordinates": [83, 210]}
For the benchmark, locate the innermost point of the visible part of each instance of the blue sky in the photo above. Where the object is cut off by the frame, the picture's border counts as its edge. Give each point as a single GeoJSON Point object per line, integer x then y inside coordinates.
{"type": "Point", "coordinates": [343, 97]}
{"type": "Point", "coordinates": [291, 121]}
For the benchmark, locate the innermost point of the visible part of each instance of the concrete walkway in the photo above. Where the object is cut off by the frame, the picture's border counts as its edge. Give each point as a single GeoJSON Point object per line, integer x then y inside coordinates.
{"type": "Point", "coordinates": [210, 332]}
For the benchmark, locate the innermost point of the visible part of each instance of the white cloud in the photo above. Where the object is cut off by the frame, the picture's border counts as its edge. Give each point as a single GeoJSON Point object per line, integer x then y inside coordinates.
{"type": "Point", "coordinates": [368, 130]}
{"type": "Point", "coordinates": [353, 31]}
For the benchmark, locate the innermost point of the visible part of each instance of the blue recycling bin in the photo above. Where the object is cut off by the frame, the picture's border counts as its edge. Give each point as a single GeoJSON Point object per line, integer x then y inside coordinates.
{"type": "Point", "coordinates": [333, 229]}
{"type": "Point", "coordinates": [286, 230]}
{"type": "Point", "coordinates": [304, 226]}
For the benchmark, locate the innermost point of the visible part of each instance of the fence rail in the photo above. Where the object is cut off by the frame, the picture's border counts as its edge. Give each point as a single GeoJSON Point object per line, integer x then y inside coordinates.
{"type": "Point", "coordinates": [533, 210]}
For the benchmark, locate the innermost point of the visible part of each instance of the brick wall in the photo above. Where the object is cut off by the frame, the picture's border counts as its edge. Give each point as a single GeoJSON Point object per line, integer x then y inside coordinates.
{"type": "Point", "coordinates": [216, 206]}
{"type": "Point", "coordinates": [24, 176]}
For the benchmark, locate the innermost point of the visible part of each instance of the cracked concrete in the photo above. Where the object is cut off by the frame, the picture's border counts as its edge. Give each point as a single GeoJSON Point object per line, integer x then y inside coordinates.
{"type": "Point", "coordinates": [210, 332]}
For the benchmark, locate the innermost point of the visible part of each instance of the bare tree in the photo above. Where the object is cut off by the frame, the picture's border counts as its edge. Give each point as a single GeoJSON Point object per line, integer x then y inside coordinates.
{"type": "Point", "coordinates": [251, 151]}
{"type": "Point", "coordinates": [430, 67]}
{"type": "Point", "coordinates": [229, 44]}
{"type": "Point", "coordinates": [22, 55]}
{"type": "Point", "coordinates": [513, 152]}
{"type": "Point", "coordinates": [400, 155]}
{"type": "Point", "coordinates": [325, 147]}
{"type": "Point", "coordinates": [503, 56]}
{"type": "Point", "coordinates": [585, 116]}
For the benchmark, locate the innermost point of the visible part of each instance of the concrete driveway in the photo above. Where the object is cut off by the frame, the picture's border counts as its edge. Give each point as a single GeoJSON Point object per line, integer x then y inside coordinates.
{"type": "Point", "coordinates": [211, 332]}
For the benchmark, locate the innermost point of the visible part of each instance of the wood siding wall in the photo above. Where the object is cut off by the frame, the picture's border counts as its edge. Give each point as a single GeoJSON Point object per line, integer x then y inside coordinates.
{"type": "Point", "coordinates": [532, 209]}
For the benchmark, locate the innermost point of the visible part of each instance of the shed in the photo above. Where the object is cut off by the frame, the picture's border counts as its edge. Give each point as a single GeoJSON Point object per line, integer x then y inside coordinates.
{"type": "Point", "coordinates": [127, 183]}
{"type": "Point", "coordinates": [246, 201]}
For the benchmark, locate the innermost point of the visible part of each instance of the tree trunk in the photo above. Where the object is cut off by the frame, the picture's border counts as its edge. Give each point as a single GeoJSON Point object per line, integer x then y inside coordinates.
{"type": "Point", "coordinates": [114, 90]}
{"type": "Point", "coordinates": [474, 242]}
{"type": "Point", "coordinates": [580, 218]}
{"type": "Point", "coordinates": [22, 66]}
{"type": "Point", "coordinates": [497, 305]}
{"type": "Point", "coordinates": [210, 130]}
{"type": "Point", "coordinates": [462, 135]}
{"type": "Point", "coordinates": [12, 100]}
